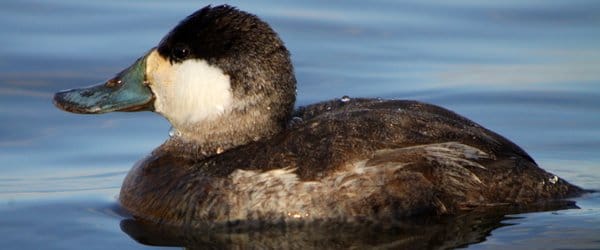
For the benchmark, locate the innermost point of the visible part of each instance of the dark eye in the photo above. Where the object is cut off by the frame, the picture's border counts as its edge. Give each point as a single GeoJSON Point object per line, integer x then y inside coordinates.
{"type": "Point", "coordinates": [180, 53]}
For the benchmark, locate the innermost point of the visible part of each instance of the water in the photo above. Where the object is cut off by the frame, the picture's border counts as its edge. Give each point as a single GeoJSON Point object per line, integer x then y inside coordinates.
{"type": "Point", "coordinates": [526, 69]}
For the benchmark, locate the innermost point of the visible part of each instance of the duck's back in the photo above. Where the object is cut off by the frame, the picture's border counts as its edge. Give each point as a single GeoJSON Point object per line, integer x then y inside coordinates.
{"type": "Point", "coordinates": [359, 159]}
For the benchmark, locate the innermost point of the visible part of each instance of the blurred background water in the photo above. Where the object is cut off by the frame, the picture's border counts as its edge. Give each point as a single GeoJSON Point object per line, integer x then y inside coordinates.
{"type": "Point", "coordinates": [529, 70]}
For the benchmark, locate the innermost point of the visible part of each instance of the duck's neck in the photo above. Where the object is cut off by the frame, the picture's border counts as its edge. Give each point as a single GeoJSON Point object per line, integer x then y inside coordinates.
{"type": "Point", "coordinates": [236, 128]}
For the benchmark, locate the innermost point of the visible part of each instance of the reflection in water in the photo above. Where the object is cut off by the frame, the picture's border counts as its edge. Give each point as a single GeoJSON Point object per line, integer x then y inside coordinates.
{"type": "Point", "coordinates": [414, 233]}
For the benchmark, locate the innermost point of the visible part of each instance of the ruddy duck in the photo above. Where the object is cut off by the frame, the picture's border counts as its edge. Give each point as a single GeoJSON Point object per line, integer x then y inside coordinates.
{"type": "Point", "coordinates": [239, 152]}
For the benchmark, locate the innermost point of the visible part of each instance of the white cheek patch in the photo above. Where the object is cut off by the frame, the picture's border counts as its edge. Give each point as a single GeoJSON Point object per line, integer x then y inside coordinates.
{"type": "Point", "coordinates": [200, 91]}
{"type": "Point", "coordinates": [188, 92]}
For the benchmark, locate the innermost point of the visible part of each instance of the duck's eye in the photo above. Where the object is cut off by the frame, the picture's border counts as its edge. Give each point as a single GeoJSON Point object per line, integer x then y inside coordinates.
{"type": "Point", "coordinates": [180, 53]}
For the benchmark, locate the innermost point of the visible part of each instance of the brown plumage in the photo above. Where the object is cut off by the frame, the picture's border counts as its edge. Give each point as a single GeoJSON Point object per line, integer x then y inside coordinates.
{"type": "Point", "coordinates": [249, 159]}
{"type": "Point", "coordinates": [352, 161]}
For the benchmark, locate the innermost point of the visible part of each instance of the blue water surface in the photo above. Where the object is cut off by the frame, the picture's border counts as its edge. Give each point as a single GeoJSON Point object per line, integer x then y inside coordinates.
{"type": "Point", "coordinates": [529, 70]}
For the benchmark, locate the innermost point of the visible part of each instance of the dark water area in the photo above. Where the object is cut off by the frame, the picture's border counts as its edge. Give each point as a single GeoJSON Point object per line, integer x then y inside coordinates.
{"type": "Point", "coordinates": [529, 70]}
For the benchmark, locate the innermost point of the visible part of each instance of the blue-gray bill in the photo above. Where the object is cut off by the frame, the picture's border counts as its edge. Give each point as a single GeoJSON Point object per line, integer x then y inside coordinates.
{"type": "Point", "coordinates": [125, 92]}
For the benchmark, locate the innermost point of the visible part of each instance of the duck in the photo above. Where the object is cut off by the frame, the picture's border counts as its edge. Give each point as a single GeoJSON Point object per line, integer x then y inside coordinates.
{"type": "Point", "coordinates": [240, 152]}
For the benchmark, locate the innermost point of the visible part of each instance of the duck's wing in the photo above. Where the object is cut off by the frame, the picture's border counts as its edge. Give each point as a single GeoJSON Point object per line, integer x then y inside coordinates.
{"type": "Point", "coordinates": [330, 134]}
{"type": "Point", "coordinates": [419, 123]}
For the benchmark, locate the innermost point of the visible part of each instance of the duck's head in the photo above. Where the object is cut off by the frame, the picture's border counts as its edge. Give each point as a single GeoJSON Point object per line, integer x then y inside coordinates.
{"type": "Point", "coordinates": [221, 74]}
